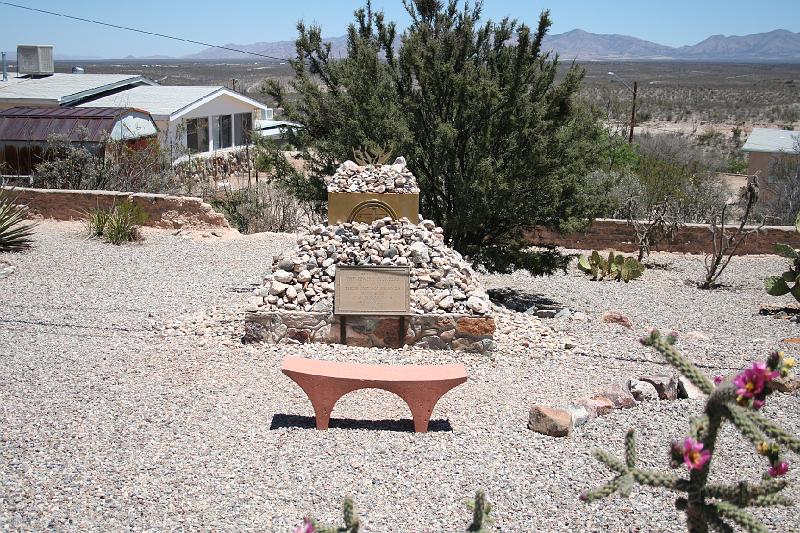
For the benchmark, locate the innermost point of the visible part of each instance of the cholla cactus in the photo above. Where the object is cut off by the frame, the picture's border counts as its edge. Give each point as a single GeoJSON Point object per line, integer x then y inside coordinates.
{"type": "Point", "coordinates": [481, 521]}
{"type": "Point", "coordinates": [616, 267]}
{"type": "Point", "coordinates": [711, 506]}
{"type": "Point", "coordinates": [351, 521]}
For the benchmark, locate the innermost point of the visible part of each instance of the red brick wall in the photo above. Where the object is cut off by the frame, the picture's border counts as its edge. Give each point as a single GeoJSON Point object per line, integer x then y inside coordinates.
{"type": "Point", "coordinates": [163, 211]}
{"type": "Point", "coordinates": [607, 234]}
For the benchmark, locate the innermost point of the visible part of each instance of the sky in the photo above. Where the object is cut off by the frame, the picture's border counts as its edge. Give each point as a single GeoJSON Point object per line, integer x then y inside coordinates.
{"type": "Point", "coordinates": [669, 22]}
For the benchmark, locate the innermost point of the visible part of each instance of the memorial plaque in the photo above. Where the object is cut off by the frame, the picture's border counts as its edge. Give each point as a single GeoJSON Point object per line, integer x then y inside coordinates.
{"type": "Point", "coordinates": [372, 290]}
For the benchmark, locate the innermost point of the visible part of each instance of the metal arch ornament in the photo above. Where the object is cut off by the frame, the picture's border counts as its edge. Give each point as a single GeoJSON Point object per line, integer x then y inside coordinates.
{"type": "Point", "coordinates": [372, 204]}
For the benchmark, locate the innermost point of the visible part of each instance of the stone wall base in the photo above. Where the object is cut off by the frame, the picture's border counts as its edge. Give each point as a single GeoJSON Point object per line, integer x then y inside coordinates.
{"type": "Point", "coordinates": [435, 332]}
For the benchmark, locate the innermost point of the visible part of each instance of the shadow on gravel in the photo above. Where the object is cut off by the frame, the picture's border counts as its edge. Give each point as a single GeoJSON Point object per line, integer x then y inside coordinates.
{"type": "Point", "coordinates": [308, 422]}
{"type": "Point", "coordinates": [521, 301]}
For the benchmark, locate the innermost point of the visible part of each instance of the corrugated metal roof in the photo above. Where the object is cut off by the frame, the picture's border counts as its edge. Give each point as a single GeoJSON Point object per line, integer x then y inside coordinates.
{"type": "Point", "coordinates": [772, 140]}
{"type": "Point", "coordinates": [163, 101]}
{"type": "Point", "coordinates": [62, 89]}
{"type": "Point", "coordinates": [78, 124]}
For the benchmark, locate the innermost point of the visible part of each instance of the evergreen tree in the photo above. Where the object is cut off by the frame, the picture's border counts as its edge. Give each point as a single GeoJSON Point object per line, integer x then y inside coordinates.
{"type": "Point", "coordinates": [497, 143]}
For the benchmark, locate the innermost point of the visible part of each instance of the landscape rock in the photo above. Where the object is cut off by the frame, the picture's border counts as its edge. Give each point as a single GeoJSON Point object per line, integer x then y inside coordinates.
{"type": "Point", "coordinates": [687, 389]}
{"type": "Point", "coordinates": [597, 406]}
{"type": "Point", "coordinates": [580, 415]}
{"type": "Point", "coordinates": [786, 384]}
{"type": "Point", "coordinates": [615, 317]}
{"type": "Point", "coordinates": [549, 421]}
{"type": "Point", "coordinates": [642, 391]}
{"type": "Point", "coordinates": [666, 386]}
{"type": "Point", "coordinates": [616, 394]}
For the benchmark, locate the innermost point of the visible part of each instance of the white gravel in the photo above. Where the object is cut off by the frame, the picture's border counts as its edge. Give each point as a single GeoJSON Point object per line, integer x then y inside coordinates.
{"type": "Point", "coordinates": [127, 403]}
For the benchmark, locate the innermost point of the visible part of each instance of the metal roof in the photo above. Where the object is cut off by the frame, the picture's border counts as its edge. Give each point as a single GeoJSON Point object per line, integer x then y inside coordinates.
{"type": "Point", "coordinates": [168, 101]}
{"type": "Point", "coordinates": [63, 89]}
{"type": "Point", "coordinates": [772, 140]}
{"type": "Point", "coordinates": [75, 123]}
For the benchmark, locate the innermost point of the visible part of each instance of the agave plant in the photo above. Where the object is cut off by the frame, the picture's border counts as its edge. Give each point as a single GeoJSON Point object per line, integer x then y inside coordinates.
{"type": "Point", "coordinates": [616, 267]}
{"type": "Point", "coordinates": [15, 231]}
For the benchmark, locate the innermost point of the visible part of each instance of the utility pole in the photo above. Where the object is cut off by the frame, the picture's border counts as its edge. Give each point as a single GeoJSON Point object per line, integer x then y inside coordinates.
{"type": "Point", "coordinates": [633, 112]}
{"type": "Point", "coordinates": [633, 106]}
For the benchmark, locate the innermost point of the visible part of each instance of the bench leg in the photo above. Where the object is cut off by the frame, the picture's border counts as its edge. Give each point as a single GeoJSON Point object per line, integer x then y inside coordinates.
{"type": "Point", "coordinates": [323, 396]}
{"type": "Point", "coordinates": [421, 410]}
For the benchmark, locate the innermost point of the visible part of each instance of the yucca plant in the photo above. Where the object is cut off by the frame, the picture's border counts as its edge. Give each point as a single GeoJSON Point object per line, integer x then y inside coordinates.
{"type": "Point", "coordinates": [15, 231]}
{"type": "Point", "coordinates": [123, 225]}
{"type": "Point", "coordinates": [119, 224]}
{"type": "Point", "coordinates": [95, 221]}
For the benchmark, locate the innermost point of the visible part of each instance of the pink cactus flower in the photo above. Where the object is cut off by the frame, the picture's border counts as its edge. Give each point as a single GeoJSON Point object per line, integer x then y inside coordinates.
{"type": "Point", "coordinates": [694, 456]}
{"type": "Point", "coordinates": [758, 404]}
{"type": "Point", "coordinates": [750, 383]}
{"type": "Point", "coordinates": [718, 380]}
{"type": "Point", "coordinates": [306, 527]}
{"type": "Point", "coordinates": [779, 469]}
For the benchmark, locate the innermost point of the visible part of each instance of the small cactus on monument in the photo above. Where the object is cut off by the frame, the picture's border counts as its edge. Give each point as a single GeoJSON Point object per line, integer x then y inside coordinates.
{"type": "Point", "coordinates": [714, 506]}
{"type": "Point", "coordinates": [617, 267]}
{"type": "Point", "coordinates": [368, 157]}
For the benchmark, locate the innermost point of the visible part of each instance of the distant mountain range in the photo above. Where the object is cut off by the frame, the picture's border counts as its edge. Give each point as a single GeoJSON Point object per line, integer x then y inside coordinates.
{"type": "Point", "coordinates": [773, 46]}
{"type": "Point", "coordinates": [777, 46]}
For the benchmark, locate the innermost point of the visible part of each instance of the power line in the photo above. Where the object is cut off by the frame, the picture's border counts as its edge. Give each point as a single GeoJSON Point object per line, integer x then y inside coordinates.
{"type": "Point", "coordinates": [165, 36]}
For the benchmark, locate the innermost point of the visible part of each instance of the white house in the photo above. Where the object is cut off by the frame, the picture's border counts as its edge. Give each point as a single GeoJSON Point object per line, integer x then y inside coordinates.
{"type": "Point", "coordinates": [197, 118]}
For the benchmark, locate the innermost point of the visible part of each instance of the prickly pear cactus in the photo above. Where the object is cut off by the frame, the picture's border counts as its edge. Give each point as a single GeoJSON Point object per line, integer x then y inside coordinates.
{"type": "Point", "coordinates": [616, 267]}
{"type": "Point", "coordinates": [714, 506]}
{"type": "Point", "coordinates": [789, 281]}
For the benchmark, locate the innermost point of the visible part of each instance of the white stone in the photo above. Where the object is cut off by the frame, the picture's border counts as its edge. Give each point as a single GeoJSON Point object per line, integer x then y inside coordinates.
{"type": "Point", "coordinates": [282, 276]}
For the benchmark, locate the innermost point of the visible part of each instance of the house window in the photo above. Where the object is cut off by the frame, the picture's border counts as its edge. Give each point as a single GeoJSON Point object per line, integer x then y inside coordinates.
{"type": "Point", "coordinates": [222, 131]}
{"type": "Point", "coordinates": [242, 125]}
{"type": "Point", "coordinates": [197, 134]}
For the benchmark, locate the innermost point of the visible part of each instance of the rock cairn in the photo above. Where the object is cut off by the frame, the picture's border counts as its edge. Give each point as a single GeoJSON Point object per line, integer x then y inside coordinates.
{"type": "Point", "coordinates": [303, 279]}
{"type": "Point", "coordinates": [394, 178]}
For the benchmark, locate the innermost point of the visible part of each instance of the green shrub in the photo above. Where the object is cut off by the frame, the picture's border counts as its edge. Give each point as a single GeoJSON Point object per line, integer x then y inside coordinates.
{"type": "Point", "coordinates": [616, 267]}
{"type": "Point", "coordinates": [15, 232]}
{"type": "Point", "coordinates": [122, 223]}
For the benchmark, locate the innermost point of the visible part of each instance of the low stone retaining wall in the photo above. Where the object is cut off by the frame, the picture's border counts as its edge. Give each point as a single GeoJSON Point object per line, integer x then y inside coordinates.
{"type": "Point", "coordinates": [436, 332]}
{"type": "Point", "coordinates": [163, 211]}
{"type": "Point", "coordinates": [610, 234]}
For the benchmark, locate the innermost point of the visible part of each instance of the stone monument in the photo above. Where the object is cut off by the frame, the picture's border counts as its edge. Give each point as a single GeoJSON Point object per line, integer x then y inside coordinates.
{"type": "Point", "coordinates": [401, 284]}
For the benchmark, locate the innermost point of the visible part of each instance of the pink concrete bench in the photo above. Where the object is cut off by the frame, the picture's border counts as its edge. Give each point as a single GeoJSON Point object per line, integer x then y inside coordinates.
{"type": "Point", "coordinates": [420, 386]}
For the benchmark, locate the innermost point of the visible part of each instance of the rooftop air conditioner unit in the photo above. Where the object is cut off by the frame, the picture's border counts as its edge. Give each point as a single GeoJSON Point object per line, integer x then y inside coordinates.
{"type": "Point", "coordinates": [36, 60]}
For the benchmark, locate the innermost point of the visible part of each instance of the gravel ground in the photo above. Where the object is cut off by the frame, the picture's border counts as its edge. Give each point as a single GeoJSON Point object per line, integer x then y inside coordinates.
{"type": "Point", "coordinates": [126, 402]}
